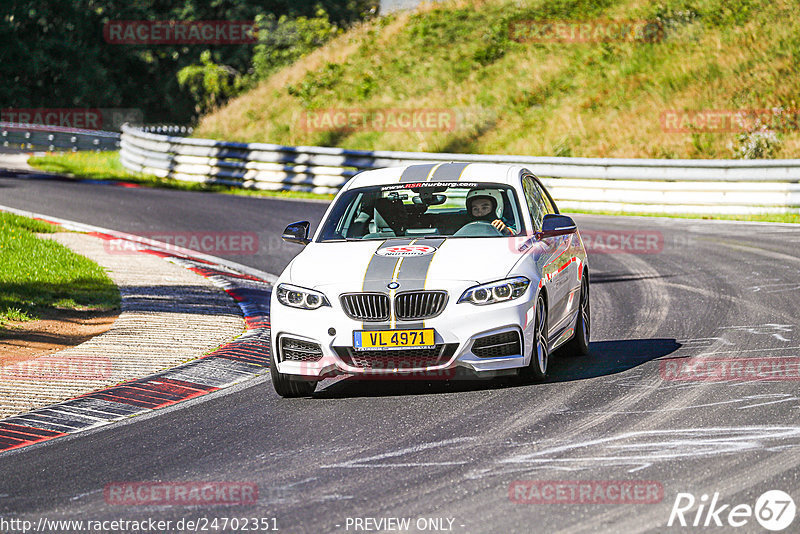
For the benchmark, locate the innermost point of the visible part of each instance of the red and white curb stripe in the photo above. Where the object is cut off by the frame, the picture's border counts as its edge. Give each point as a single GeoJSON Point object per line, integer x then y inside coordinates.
{"type": "Point", "coordinates": [242, 359]}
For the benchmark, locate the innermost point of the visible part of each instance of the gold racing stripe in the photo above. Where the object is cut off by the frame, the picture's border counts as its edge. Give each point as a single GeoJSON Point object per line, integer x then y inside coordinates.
{"type": "Point", "coordinates": [433, 171]}
{"type": "Point", "coordinates": [378, 269]}
{"type": "Point", "coordinates": [392, 292]}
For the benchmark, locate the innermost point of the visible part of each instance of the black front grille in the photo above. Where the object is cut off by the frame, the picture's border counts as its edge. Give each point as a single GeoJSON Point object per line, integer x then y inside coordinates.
{"type": "Point", "coordinates": [496, 345]}
{"type": "Point", "coordinates": [415, 305]}
{"type": "Point", "coordinates": [366, 306]}
{"type": "Point", "coordinates": [296, 350]}
{"type": "Point", "coordinates": [397, 359]}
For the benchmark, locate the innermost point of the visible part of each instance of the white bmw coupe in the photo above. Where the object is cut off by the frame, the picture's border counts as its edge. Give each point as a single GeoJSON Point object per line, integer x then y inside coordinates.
{"type": "Point", "coordinates": [418, 271]}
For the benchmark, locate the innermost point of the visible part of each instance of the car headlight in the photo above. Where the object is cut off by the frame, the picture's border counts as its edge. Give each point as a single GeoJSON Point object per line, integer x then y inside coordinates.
{"type": "Point", "coordinates": [300, 297]}
{"type": "Point", "coordinates": [493, 292]}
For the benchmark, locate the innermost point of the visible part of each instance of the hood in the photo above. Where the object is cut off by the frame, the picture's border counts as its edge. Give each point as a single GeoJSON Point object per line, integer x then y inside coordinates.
{"type": "Point", "coordinates": [354, 264]}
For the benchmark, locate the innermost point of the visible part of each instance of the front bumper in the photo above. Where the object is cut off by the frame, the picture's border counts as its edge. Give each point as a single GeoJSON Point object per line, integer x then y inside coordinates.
{"type": "Point", "coordinates": [457, 329]}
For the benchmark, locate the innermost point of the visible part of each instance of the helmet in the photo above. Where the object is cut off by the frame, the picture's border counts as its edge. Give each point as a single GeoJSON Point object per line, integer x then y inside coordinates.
{"type": "Point", "coordinates": [492, 194]}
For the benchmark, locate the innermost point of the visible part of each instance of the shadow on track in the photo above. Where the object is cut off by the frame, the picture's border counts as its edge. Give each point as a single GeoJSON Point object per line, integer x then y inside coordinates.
{"type": "Point", "coordinates": [610, 357]}
{"type": "Point", "coordinates": [605, 358]}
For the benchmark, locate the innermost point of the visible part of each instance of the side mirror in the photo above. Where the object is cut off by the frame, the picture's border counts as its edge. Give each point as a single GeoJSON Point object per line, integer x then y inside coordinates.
{"type": "Point", "coordinates": [555, 225]}
{"type": "Point", "coordinates": [297, 232]}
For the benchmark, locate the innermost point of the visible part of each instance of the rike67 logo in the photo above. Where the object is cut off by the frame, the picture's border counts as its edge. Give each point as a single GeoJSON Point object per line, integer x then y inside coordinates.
{"type": "Point", "coordinates": [774, 510]}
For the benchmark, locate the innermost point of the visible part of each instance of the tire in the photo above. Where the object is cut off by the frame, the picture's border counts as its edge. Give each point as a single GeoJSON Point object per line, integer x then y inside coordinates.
{"type": "Point", "coordinates": [540, 358]}
{"type": "Point", "coordinates": [287, 387]}
{"type": "Point", "coordinates": [579, 344]}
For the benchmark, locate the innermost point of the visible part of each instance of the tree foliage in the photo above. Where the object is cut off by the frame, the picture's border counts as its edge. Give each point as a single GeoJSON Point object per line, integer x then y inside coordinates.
{"type": "Point", "coordinates": [53, 53]}
{"type": "Point", "coordinates": [208, 83]}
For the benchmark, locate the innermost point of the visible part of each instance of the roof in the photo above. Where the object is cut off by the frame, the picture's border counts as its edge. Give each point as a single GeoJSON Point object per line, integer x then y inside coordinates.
{"type": "Point", "coordinates": [438, 172]}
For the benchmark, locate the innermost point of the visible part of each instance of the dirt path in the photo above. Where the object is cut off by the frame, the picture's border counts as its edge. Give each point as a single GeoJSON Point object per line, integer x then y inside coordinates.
{"type": "Point", "coordinates": [55, 330]}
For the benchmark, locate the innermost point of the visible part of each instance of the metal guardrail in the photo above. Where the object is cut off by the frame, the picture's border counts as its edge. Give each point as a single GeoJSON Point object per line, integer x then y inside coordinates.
{"type": "Point", "coordinates": [646, 185]}
{"type": "Point", "coordinates": [168, 129]}
{"type": "Point", "coordinates": [33, 136]}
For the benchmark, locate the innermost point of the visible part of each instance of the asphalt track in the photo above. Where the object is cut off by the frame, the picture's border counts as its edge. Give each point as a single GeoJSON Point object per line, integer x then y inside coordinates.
{"type": "Point", "coordinates": [453, 449]}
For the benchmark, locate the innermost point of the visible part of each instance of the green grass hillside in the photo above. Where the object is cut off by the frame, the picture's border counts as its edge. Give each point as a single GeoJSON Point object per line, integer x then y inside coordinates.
{"type": "Point", "coordinates": [594, 99]}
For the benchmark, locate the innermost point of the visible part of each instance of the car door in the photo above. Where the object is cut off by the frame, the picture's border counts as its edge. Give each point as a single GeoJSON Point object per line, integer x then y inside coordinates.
{"type": "Point", "coordinates": [548, 261]}
{"type": "Point", "coordinates": [564, 271]}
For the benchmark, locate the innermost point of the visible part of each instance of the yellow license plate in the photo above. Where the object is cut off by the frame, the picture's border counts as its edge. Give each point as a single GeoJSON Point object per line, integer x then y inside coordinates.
{"type": "Point", "coordinates": [393, 339]}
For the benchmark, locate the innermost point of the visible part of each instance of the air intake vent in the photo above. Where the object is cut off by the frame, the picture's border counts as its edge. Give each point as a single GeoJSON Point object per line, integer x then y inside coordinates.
{"type": "Point", "coordinates": [296, 350]}
{"type": "Point", "coordinates": [407, 359]}
{"type": "Point", "coordinates": [497, 345]}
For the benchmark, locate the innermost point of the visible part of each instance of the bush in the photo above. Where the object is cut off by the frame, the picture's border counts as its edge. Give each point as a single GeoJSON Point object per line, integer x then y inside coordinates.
{"type": "Point", "coordinates": [283, 41]}
{"type": "Point", "coordinates": [210, 84]}
{"type": "Point", "coordinates": [759, 141]}
{"type": "Point", "coordinates": [761, 144]}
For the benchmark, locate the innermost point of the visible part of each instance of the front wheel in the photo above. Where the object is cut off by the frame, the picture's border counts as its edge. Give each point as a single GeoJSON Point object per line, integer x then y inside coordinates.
{"type": "Point", "coordinates": [287, 387]}
{"type": "Point", "coordinates": [537, 368]}
{"type": "Point", "coordinates": [579, 344]}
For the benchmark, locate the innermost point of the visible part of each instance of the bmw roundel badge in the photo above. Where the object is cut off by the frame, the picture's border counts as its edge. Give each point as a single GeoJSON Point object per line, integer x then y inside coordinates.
{"type": "Point", "coordinates": [393, 285]}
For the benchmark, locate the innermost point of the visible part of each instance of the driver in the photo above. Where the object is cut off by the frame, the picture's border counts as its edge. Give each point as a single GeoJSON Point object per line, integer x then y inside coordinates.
{"type": "Point", "coordinates": [487, 205]}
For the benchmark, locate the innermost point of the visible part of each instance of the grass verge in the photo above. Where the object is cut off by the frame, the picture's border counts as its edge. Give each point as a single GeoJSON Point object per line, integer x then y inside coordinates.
{"type": "Point", "coordinates": [106, 166]}
{"type": "Point", "coordinates": [38, 274]}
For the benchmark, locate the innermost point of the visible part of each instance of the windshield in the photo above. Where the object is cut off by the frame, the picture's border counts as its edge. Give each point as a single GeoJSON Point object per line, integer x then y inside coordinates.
{"type": "Point", "coordinates": [450, 209]}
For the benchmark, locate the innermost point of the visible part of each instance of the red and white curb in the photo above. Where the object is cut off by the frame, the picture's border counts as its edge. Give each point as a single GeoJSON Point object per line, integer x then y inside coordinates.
{"type": "Point", "coordinates": [242, 359]}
